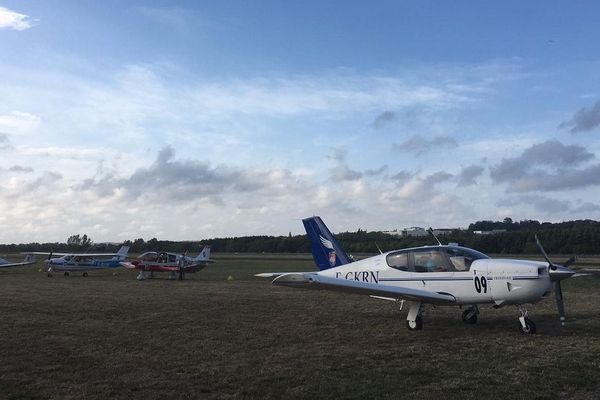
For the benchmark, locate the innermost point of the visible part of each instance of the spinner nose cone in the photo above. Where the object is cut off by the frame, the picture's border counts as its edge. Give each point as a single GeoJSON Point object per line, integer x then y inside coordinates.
{"type": "Point", "coordinates": [560, 273]}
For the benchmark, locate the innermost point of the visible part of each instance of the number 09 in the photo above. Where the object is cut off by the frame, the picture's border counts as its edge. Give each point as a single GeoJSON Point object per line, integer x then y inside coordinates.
{"type": "Point", "coordinates": [481, 284]}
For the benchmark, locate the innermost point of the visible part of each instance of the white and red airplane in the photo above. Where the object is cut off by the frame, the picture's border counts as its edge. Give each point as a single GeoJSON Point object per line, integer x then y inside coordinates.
{"type": "Point", "coordinates": [29, 259]}
{"type": "Point", "coordinates": [441, 275]}
{"type": "Point", "coordinates": [176, 264]}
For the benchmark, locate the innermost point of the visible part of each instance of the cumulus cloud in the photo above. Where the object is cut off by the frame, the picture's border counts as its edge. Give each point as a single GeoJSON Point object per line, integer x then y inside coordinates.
{"type": "Point", "coordinates": [18, 123]}
{"type": "Point", "coordinates": [383, 119]}
{"type": "Point", "coordinates": [4, 142]}
{"type": "Point", "coordinates": [418, 144]}
{"type": "Point", "coordinates": [467, 175]}
{"type": "Point", "coordinates": [377, 171]}
{"type": "Point", "coordinates": [401, 177]}
{"type": "Point", "coordinates": [584, 120]}
{"type": "Point", "coordinates": [20, 169]}
{"type": "Point", "coordinates": [179, 180]}
{"type": "Point", "coordinates": [338, 154]}
{"type": "Point", "coordinates": [438, 177]}
{"type": "Point", "coordinates": [417, 188]}
{"type": "Point", "coordinates": [542, 204]}
{"type": "Point", "coordinates": [586, 207]}
{"type": "Point", "coordinates": [342, 172]}
{"type": "Point", "coordinates": [547, 166]}
{"type": "Point", "coordinates": [13, 20]}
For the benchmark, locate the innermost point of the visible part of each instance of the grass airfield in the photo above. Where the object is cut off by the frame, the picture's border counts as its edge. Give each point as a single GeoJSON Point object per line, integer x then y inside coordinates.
{"type": "Point", "coordinates": [207, 337]}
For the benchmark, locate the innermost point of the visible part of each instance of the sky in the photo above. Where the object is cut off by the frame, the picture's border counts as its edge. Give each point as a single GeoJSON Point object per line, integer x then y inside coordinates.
{"type": "Point", "coordinates": [187, 120]}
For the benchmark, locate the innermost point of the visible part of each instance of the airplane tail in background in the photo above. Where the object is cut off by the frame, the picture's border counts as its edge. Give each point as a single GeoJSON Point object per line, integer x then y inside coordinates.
{"type": "Point", "coordinates": [326, 250]}
{"type": "Point", "coordinates": [122, 253]}
{"type": "Point", "coordinates": [204, 254]}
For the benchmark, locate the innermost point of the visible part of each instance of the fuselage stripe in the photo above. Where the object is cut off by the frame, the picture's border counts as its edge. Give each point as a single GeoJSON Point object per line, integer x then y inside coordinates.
{"type": "Point", "coordinates": [423, 279]}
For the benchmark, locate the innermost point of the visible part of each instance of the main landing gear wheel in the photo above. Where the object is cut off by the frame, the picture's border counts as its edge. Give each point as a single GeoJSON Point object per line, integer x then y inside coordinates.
{"type": "Point", "coordinates": [415, 325]}
{"type": "Point", "coordinates": [85, 274]}
{"type": "Point", "coordinates": [529, 328]}
{"type": "Point", "coordinates": [469, 317]}
{"type": "Point", "coordinates": [66, 273]}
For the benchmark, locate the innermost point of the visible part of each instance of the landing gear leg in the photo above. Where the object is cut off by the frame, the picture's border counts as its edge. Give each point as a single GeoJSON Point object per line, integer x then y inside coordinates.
{"type": "Point", "coordinates": [469, 316]}
{"type": "Point", "coordinates": [66, 273]}
{"type": "Point", "coordinates": [414, 321]}
{"type": "Point", "coordinates": [141, 276]}
{"type": "Point", "coordinates": [526, 326]}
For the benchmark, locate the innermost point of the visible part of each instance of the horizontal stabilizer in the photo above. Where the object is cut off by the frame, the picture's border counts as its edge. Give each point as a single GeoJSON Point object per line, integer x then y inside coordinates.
{"type": "Point", "coordinates": [315, 281]}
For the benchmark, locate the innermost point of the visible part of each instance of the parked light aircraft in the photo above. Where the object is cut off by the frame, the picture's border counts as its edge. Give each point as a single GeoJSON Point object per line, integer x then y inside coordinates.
{"type": "Point", "coordinates": [29, 259]}
{"type": "Point", "coordinates": [176, 264]}
{"type": "Point", "coordinates": [441, 275]}
{"type": "Point", "coordinates": [83, 262]}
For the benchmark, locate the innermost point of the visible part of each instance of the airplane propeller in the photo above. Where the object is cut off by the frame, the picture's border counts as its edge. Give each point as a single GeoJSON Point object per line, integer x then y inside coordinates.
{"type": "Point", "coordinates": [558, 273]}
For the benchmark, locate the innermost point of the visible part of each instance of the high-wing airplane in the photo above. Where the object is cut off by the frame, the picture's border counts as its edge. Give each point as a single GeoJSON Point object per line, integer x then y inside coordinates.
{"type": "Point", "coordinates": [29, 259]}
{"type": "Point", "coordinates": [441, 275]}
{"type": "Point", "coordinates": [83, 262]}
{"type": "Point", "coordinates": [176, 264]}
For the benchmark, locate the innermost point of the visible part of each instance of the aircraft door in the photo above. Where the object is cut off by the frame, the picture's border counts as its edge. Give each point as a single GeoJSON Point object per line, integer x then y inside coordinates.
{"type": "Point", "coordinates": [482, 284]}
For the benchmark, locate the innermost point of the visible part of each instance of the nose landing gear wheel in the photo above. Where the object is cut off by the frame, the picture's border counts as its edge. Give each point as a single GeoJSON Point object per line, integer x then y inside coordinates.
{"type": "Point", "coordinates": [469, 317]}
{"type": "Point", "coordinates": [529, 328]}
{"type": "Point", "coordinates": [415, 325]}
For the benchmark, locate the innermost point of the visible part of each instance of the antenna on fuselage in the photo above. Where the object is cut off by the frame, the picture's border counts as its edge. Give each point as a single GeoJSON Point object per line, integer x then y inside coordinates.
{"type": "Point", "coordinates": [435, 237]}
{"type": "Point", "coordinates": [380, 252]}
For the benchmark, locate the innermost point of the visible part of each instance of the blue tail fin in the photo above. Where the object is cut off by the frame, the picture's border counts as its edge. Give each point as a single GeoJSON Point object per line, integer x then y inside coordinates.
{"type": "Point", "coordinates": [326, 251]}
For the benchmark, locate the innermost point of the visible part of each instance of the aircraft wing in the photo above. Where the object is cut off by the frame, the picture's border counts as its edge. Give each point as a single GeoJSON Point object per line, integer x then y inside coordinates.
{"type": "Point", "coordinates": [28, 261]}
{"type": "Point", "coordinates": [276, 274]}
{"type": "Point", "coordinates": [128, 265]}
{"type": "Point", "coordinates": [42, 253]}
{"type": "Point", "coordinates": [315, 281]}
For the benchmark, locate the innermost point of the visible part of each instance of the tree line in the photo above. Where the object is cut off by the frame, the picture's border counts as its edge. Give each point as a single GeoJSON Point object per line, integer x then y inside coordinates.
{"type": "Point", "coordinates": [570, 237]}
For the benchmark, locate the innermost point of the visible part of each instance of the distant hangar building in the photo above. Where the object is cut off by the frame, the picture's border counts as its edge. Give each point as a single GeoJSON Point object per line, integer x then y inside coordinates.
{"type": "Point", "coordinates": [415, 231]}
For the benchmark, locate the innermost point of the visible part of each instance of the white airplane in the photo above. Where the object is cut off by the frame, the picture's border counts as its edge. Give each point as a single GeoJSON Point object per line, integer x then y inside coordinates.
{"type": "Point", "coordinates": [441, 275]}
{"type": "Point", "coordinates": [83, 262]}
{"type": "Point", "coordinates": [29, 259]}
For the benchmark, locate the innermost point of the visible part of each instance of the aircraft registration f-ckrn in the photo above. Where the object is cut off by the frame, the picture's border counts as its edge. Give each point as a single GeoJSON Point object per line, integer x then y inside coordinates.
{"type": "Point", "coordinates": [440, 275]}
{"type": "Point", "coordinates": [176, 264]}
{"type": "Point", "coordinates": [29, 259]}
{"type": "Point", "coordinates": [83, 262]}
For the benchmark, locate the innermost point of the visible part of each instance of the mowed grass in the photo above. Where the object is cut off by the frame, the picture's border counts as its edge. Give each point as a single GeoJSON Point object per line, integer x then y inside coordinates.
{"type": "Point", "coordinates": [207, 337]}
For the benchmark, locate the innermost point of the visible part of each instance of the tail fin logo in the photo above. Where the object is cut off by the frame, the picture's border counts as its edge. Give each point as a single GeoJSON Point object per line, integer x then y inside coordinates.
{"type": "Point", "coordinates": [327, 244]}
{"type": "Point", "coordinates": [332, 258]}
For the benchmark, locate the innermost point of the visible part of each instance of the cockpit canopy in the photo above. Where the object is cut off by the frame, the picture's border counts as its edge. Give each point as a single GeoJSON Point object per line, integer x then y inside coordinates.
{"type": "Point", "coordinates": [163, 257]}
{"type": "Point", "coordinates": [434, 259]}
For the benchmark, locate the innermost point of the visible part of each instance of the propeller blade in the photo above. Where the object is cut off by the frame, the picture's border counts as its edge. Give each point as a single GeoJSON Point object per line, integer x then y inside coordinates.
{"type": "Point", "coordinates": [537, 240]}
{"type": "Point", "coordinates": [50, 255]}
{"type": "Point", "coordinates": [570, 261]}
{"type": "Point", "coordinates": [560, 305]}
